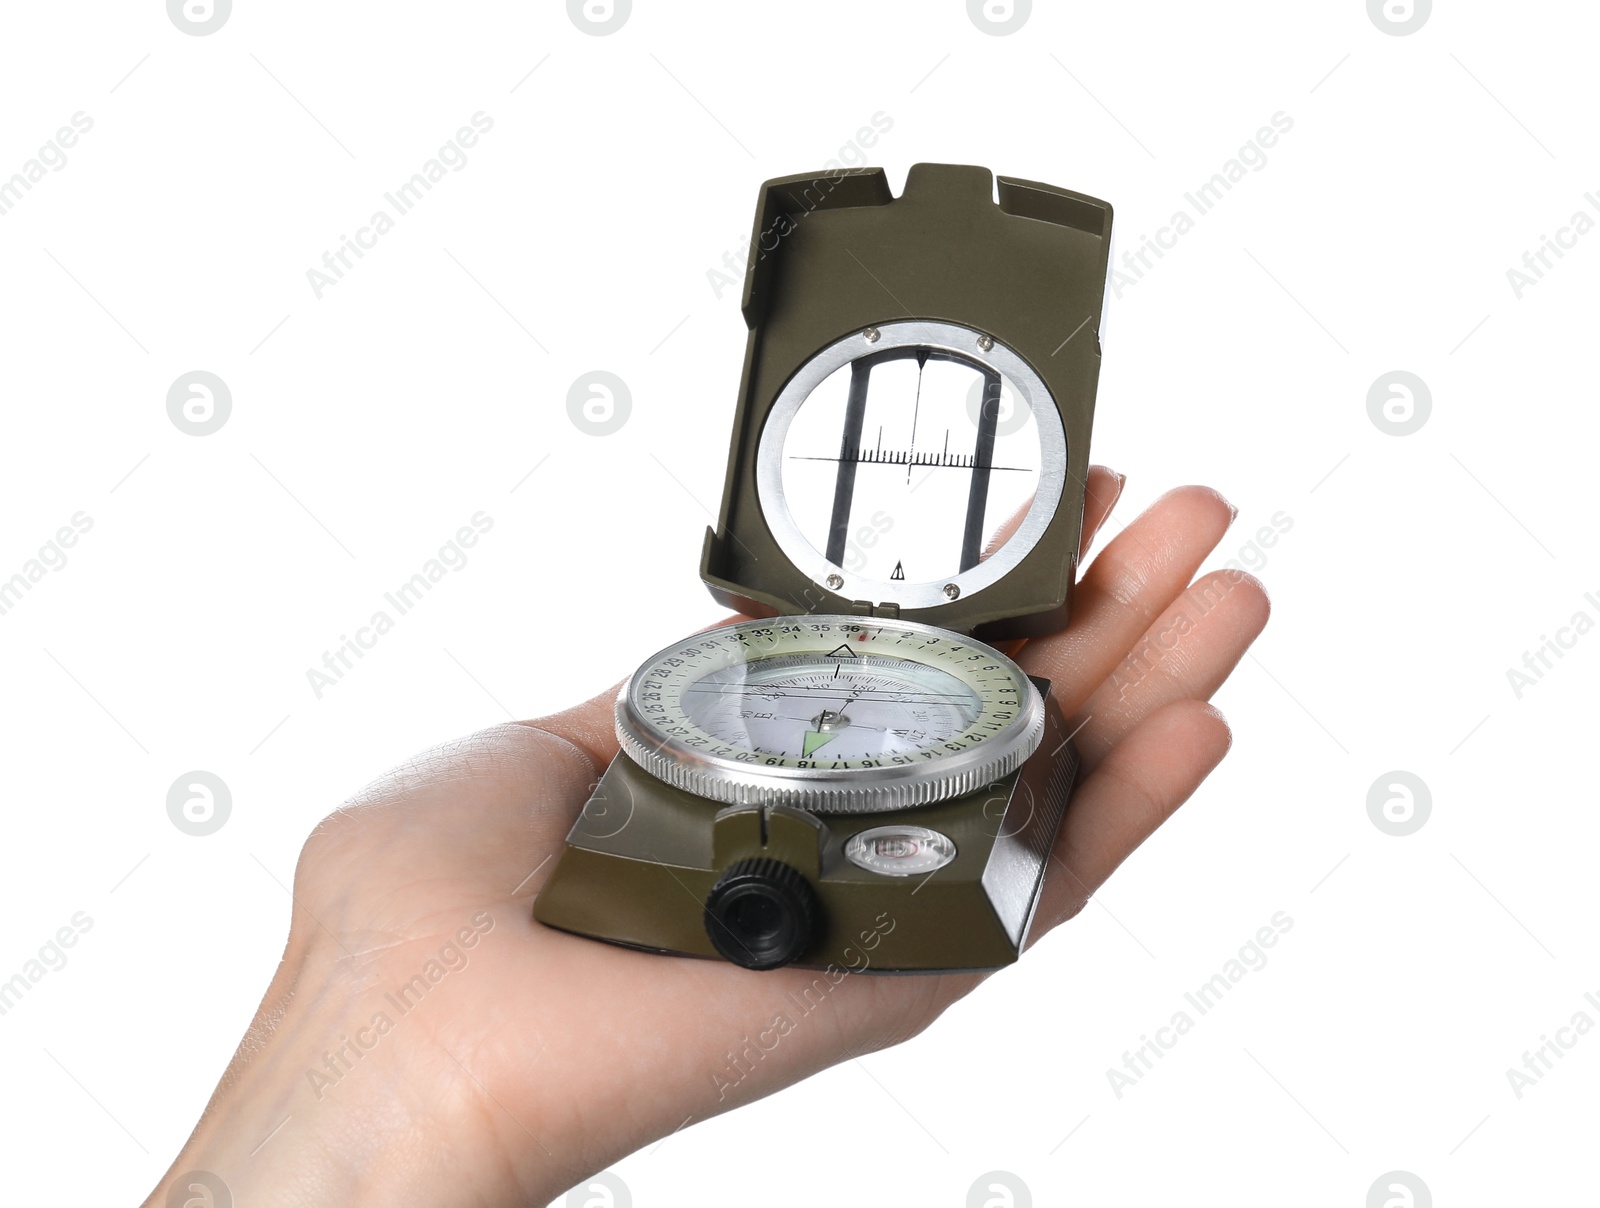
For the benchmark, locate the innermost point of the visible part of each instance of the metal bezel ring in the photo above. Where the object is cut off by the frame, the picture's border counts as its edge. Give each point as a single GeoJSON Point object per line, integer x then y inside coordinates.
{"type": "Point", "coordinates": [831, 790]}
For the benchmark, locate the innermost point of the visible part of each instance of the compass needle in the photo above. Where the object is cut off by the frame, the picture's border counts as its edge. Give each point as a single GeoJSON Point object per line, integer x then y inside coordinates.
{"type": "Point", "coordinates": [815, 739]}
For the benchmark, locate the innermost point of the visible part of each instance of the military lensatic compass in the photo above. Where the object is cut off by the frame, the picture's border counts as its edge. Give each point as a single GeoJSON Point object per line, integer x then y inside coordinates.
{"type": "Point", "coordinates": [858, 778]}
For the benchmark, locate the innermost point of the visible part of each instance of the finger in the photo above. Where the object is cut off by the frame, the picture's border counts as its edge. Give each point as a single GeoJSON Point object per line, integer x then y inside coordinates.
{"type": "Point", "coordinates": [1145, 778]}
{"type": "Point", "coordinates": [588, 726]}
{"type": "Point", "coordinates": [1101, 490]}
{"type": "Point", "coordinates": [1186, 654]}
{"type": "Point", "coordinates": [1128, 585]}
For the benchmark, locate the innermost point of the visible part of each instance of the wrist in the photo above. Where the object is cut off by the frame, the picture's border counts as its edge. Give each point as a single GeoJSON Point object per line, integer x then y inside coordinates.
{"type": "Point", "coordinates": [320, 1107]}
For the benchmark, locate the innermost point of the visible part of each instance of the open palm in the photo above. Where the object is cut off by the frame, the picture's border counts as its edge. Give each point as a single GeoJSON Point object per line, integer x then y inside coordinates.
{"type": "Point", "coordinates": [430, 1043]}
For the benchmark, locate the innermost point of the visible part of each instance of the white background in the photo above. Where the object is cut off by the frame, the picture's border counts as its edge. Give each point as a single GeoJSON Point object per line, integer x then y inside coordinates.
{"type": "Point", "coordinates": [431, 383]}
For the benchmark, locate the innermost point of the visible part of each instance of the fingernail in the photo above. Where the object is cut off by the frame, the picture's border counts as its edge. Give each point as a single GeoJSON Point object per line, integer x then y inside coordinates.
{"type": "Point", "coordinates": [1117, 482]}
{"type": "Point", "coordinates": [1233, 514]}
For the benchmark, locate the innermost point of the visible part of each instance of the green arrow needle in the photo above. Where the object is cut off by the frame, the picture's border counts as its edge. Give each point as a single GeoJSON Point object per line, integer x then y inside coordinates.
{"type": "Point", "coordinates": [815, 739]}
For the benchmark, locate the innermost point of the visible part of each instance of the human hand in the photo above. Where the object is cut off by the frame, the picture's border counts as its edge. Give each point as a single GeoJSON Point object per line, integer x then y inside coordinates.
{"type": "Point", "coordinates": [426, 1042]}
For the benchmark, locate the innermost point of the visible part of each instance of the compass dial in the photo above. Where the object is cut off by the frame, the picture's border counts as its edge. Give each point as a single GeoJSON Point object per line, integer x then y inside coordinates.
{"type": "Point", "coordinates": [830, 713]}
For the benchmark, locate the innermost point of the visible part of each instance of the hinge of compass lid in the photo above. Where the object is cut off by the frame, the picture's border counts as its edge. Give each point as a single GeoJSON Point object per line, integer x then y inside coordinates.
{"type": "Point", "coordinates": [866, 608]}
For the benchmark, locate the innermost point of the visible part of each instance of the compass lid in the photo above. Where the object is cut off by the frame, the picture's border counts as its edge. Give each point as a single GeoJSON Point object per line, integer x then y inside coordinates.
{"type": "Point", "coordinates": [920, 373]}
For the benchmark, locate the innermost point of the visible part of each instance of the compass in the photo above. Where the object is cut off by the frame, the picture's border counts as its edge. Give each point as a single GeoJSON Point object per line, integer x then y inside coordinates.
{"type": "Point", "coordinates": [829, 714]}
{"type": "Point", "coordinates": [856, 776]}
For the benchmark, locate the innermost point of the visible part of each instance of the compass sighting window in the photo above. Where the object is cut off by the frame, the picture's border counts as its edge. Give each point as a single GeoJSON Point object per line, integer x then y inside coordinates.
{"type": "Point", "coordinates": [891, 457]}
{"type": "Point", "coordinates": [901, 465]}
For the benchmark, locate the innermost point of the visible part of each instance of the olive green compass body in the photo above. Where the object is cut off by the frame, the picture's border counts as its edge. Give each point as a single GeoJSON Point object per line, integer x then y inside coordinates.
{"type": "Point", "coordinates": [857, 778]}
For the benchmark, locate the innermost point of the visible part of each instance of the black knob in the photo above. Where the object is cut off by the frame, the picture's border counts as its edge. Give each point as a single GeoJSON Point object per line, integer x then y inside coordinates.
{"type": "Point", "coordinates": [761, 913]}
